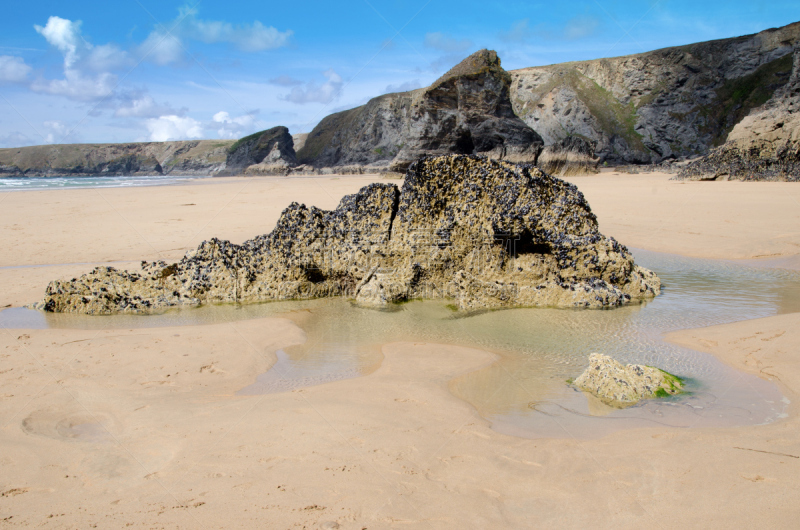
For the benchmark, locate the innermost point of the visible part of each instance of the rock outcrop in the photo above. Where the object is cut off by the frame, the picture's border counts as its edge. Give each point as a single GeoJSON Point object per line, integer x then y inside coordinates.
{"type": "Point", "coordinates": [571, 156]}
{"type": "Point", "coordinates": [466, 111]}
{"type": "Point", "coordinates": [624, 385]}
{"type": "Point", "coordinates": [195, 157]}
{"type": "Point", "coordinates": [484, 233]}
{"type": "Point", "coordinates": [765, 145]}
{"type": "Point", "coordinates": [263, 153]}
{"type": "Point", "coordinates": [671, 103]}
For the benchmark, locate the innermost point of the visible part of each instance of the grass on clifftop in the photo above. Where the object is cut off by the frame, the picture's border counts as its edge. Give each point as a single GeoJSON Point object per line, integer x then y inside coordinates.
{"type": "Point", "coordinates": [614, 118]}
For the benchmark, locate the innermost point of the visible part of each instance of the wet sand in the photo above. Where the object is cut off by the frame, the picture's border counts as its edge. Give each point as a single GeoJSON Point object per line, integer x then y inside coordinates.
{"type": "Point", "coordinates": [144, 427]}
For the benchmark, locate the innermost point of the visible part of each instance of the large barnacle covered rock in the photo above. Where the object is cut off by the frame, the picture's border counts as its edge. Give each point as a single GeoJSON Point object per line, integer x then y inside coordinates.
{"type": "Point", "coordinates": [483, 233]}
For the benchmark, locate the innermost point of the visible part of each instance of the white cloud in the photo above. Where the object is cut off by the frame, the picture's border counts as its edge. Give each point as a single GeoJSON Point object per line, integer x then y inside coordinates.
{"type": "Point", "coordinates": [234, 127]}
{"type": "Point", "coordinates": [161, 48]}
{"type": "Point", "coordinates": [247, 37]}
{"type": "Point", "coordinates": [65, 35]}
{"type": "Point", "coordinates": [173, 127]}
{"type": "Point", "coordinates": [13, 69]}
{"type": "Point", "coordinates": [107, 57]}
{"type": "Point", "coordinates": [59, 132]}
{"type": "Point", "coordinates": [164, 46]}
{"type": "Point", "coordinates": [446, 43]}
{"type": "Point", "coordinates": [403, 87]}
{"type": "Point", "coordinates": [78, 87]}
{"type": "Point", "coordinates": [315, 93]}
{"type": "Point", "coordinates": [138, 104]}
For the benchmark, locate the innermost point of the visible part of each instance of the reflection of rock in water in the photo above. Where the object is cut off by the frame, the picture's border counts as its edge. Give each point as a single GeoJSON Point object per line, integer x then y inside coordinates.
{"type": "Point", "coordinates": [484, 233]}
{"type": "Point", "coordinates": [286, 375]}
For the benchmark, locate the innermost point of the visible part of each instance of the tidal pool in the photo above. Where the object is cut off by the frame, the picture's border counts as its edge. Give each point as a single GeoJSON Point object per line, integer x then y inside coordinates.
{"type": "Point", "coordinates": [524, 393]}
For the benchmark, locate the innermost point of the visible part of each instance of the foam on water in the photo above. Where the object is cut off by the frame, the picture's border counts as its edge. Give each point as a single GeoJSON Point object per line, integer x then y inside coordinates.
{"type": "Point", "coordinates": [68, 182]}
{"type": "Point", "coordinates": [525, 393]}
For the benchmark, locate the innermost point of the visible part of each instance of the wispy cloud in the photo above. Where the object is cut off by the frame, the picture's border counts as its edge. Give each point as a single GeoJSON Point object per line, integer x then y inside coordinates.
{"type": "Point", "coordinates": [403, 87]}
{"type": "Point", "coordinates": [165, 44]}
{"type": "Point", "coordinates": [575, 28]}
{"type": "Point", "coordinates": [284, 80]}
{"type": "Point", "coordinates": [316, 93]}
{"type": "Point", "coordinates": [13, 69]}
{"type": "Point", "coordinates": [446, 43]}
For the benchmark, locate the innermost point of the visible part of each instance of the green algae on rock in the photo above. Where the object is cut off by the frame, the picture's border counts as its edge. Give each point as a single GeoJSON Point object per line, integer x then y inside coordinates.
{"type": "Point", "coordinates": [624, 385]}
{"type": "Point", "coordinates": [484, 233]}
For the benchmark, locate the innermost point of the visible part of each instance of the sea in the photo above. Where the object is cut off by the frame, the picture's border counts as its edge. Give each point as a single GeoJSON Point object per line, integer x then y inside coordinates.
{"type": "Point", "coordinates": [68, 182]}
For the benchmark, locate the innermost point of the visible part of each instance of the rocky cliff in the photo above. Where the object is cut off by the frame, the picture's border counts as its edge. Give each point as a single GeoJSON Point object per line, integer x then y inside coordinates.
{"type": "Point", "coordinates": [263, 153]}
{"type": "Point", "coordinates": [670, 103]}
{"type": "Point", "coordinates": [468, 110]}
{"type": "Point", "coordinates": [195, 157]}
{"type": "Point", "coordinates": [484, 233]}
{"type": "Point", "coordinates": [765, 145]}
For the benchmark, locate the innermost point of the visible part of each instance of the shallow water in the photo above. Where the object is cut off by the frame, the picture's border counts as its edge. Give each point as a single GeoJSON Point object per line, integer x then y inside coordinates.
{"type": "Point", "coordinates": [68, 182]}
{"type": "Point", "coordinates": [524, 393]}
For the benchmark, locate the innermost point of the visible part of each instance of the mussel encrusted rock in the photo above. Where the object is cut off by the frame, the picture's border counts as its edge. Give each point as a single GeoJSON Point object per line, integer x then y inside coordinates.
{"type": "Point", "coordinates": [624, 385]}
{"type": "Point", "coordinates": [484, 233]}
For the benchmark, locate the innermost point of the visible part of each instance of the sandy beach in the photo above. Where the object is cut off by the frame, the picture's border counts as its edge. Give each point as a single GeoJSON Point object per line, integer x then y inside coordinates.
{"type": "Point", "coordinates": [143, 427]}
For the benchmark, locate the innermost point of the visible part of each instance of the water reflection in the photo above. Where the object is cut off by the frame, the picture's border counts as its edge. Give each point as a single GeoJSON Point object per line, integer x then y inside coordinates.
{"type": "Point", "coordinates": [524, 393]}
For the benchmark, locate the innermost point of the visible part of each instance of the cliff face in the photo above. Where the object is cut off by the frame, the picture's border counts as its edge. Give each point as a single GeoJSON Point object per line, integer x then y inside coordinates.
{"type": "Point", "coordinates": [669, 103]}
{"type": "Point", "coordinates": [765, 145]}
{"type": "Point", "coordinates": [196, 157]}
{"type": "Point", "coordinates": [468, 110]}
{"type": "Point", "coordinates": [265, 152]}
{"type": "Point", "coordinates": [484, 233]}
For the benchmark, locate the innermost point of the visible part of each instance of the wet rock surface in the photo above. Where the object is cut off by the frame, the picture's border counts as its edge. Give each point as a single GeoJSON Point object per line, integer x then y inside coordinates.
{"type": "Point", "coordinates": [624, 385]}
{"type": "Point", "coordinates": [484, 233]}
{"type": "Point", "coordinates": [466, 111]}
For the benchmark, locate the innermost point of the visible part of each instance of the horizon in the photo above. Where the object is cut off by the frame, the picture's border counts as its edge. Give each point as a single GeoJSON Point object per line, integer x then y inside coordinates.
{"type": "Point", "coordinates": [138, 73]}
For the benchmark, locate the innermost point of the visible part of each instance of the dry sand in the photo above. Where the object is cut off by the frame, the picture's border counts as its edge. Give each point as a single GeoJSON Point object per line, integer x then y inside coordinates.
{"type": "Point", "coordinates": [142, 427]}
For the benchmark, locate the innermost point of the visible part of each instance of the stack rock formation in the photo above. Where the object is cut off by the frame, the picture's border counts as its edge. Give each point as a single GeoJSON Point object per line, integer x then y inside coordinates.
{"type": "Point", "coordinates": [765, 145]}
{"type": "Point", "coordinates": [466, 111]}
{"type": "Point", "coordinates": [481, 232]}
{"type": "Point", "coordinates": [263, 153]}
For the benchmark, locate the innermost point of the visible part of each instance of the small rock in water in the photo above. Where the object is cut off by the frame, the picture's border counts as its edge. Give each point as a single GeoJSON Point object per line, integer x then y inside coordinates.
{"type": "Point", "coordinates": [624, 385]}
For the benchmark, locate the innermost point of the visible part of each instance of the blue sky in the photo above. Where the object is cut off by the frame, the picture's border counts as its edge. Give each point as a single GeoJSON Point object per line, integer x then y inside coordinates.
{"type": "Point", "coordinates": [87, 71]}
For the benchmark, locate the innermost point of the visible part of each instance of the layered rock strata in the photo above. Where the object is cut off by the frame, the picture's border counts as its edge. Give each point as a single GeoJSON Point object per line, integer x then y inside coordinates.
{"type": "Point", "coordinates": [624, 385]}
{"type": "Point", "coordinates": [466, 111]}
{"type": "Point", "coordinates": [672, 103]}
{"type": "Point", "coordinates": [484, 233]}
{"type": "Point", "coordinates": [765, 145]}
